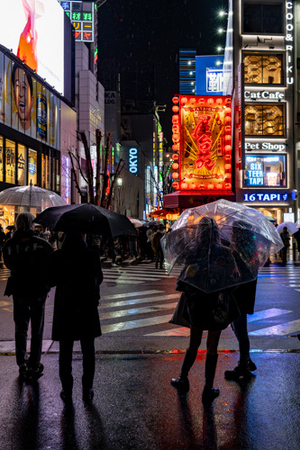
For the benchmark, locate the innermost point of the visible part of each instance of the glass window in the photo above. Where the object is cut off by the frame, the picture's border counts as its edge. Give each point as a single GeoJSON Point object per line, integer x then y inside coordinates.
{"type": "Point", "coordinates": [1, 158]}
{"type": "Point", "coordinates": [32, 167]}
{"type": "Point", "coordinates": [265, 170]}
{"type": "Point", "coordinates": [263, 69]}
{"type": "Point", "coordinates": [10, 161]}
{"type": "Point", "coordinates": [263, 18]}
{"type": "Point", "coordinates": [264, 120]}
{"type": "Point", "coordinates": [21, 165]}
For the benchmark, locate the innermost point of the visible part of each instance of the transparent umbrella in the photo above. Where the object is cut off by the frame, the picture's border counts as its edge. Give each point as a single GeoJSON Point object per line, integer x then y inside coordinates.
{"type": "Point", "coordinates": [30, 197]}
{"type": "Point", "coordinates": [291, 227]}
{"type": "Point", "coordinates": [244, 231]}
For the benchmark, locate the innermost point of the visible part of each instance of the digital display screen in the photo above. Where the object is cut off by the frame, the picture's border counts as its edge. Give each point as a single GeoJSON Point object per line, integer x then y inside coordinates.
{"type": "Point", "coordinates": [81, 15]}
{"type": "Point", "coordinates": [265, 170]}
{"type": "Point", "coordinates": [35, 33]}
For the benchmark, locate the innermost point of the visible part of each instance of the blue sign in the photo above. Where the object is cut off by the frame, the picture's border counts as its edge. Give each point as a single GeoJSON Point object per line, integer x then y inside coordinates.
{"type": "Point", "coordinates": [269, 198]}
{"type": "Point", "coordinates": [209, 75]}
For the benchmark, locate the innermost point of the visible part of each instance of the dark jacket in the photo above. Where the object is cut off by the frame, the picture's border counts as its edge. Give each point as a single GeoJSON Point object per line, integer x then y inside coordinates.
{"type": "Point", "coordinates": [76, 272]}
{"type": "Point", "coordinates": [26, 256]}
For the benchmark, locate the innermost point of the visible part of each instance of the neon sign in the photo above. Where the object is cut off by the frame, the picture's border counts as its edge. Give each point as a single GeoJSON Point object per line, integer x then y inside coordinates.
{"type": "Point", "coordinates": [133, 160]}
{"type": "Point", "coordinates": [261, 197]}
{"type": "Point", "coordinates": [289, 39]}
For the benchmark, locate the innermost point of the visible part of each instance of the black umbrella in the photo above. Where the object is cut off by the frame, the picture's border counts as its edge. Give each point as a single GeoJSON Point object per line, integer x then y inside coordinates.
{"type": "Point", "coordinates": [85, 218]}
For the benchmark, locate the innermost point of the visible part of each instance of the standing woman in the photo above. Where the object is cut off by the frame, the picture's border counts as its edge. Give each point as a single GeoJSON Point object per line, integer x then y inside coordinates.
{"type": "Point", "coordinates": [76, 272]}
{"type": "Point", "coordinates": [205, 311]}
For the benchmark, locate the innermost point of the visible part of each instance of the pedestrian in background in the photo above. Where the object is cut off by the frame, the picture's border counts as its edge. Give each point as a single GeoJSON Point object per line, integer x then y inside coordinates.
{"type": "Point", "coordinates": [26, 256]}
{"type": "Point", "coordinates": [2, 240]}
{"type": "Point", "coordinates": [76, 272]}
{"type": "Point", "coordinates": [286, 242]}
{"type": "Point", "coordinates": [159, 255]}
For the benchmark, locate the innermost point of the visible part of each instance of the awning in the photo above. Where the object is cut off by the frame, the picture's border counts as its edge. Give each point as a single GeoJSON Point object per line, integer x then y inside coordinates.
{"type": "Point", "coordinates": [190, 199]}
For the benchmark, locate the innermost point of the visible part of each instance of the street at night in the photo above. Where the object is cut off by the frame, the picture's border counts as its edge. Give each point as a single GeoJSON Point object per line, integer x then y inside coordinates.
{"type": "Point", "coordinates": [135, 405]}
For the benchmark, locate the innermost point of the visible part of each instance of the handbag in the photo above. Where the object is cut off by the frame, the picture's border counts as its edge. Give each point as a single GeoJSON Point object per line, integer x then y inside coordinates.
{"type": "Point", "coordinates": [180, 314]}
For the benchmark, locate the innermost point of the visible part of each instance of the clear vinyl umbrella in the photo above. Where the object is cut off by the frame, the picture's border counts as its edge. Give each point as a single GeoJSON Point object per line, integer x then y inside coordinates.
{"type": "Point", "coordinates": [245, 231]}
{"type": "Point", "coordinates": [30, 197]}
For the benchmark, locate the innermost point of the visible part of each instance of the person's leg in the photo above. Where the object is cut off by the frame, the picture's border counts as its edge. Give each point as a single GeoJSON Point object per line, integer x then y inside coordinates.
{"type": "Point", "coordinates": [37, 313]}
{"type": "Point", "coordinates": [209, 393]}
{"type": "Point", "coordinates": [88, 357]}
{"type": "Point", "coordinates": [182, 381]}
{"type": "Point", "coordinates": [65, 367]}
{"type": "Point", "coordinates": [21, 319]}
{"type": "Point", "coordinates": [245, 365]}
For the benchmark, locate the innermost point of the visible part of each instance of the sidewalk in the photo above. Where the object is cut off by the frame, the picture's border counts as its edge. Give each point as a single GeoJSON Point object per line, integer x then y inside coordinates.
{"type": "Point", "coordinates": [135, 407]}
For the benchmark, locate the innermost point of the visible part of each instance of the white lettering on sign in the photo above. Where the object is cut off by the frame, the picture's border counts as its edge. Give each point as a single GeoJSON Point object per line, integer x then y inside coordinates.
{"type": "Point", "coordinates": [289, 38]}
{"type": "Point", "coordinates": [263, 197]}
{"type": "Point", "coordinates": [133, 160]}
{"type": "Point", "coordinates": [263, 95]}
{"type": "Point", "coordinates": [265, 146]}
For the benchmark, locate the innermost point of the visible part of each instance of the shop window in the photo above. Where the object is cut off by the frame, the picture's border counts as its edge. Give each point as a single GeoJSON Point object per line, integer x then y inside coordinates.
{"type": "Point", "coordinates": [263, 69]}
{"type": "Point", "coordinates": [10, 161]}
{"type": "Point", "coordinates": [46, 171]}
{"type": "Point", "coordinates": [264, 120]}
{"type": "Point", "coordinates": [32, 167]}
{"type": "Point", "coordinates": [1, 158]}
{"type": "Point", "coordinates": [21, 166]}
{"type": "Point", "coordinates": [263, 18]}
{"type": "Point", "coordinates": [265, 171]}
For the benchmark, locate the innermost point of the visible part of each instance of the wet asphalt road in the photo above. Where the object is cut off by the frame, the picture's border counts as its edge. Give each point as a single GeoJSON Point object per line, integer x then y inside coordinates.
{"type": "Point", "coordinates": [135, 407]}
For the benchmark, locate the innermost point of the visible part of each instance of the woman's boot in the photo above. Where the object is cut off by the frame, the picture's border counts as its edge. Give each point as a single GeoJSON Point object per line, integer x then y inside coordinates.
{"type": "Point", "coordinates": [209, 393]}
{"type": "Point", "coordinates": [182, 381]}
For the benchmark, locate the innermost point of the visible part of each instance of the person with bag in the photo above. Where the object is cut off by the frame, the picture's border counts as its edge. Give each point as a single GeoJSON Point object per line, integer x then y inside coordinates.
{"type": "Point", "coordinates": [205, 311]}
{"type": "Point", "coordinates": [26, 256]}
{"type": "Point", "coordinates": [76, 272]}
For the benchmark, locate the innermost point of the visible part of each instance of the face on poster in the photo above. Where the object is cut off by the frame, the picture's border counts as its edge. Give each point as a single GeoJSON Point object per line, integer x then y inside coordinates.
{"type": "Point", "coordinates": [34, 29]}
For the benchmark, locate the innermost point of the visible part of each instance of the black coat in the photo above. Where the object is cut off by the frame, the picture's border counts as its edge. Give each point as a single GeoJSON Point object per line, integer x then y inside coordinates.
{"type": "Point", "coordinates": [26, 256]}
{"type": "Point", "coordinates": [76, 273]}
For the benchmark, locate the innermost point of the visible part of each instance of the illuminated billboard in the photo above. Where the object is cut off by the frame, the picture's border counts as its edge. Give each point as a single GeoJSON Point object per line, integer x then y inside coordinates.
{"type": "Point", "coordinates": [209, 75]}
{"type": "Point", "coordinates": [265, 170]}
{"type": "Point", "coordinates": [34, 31]}
{"type": "Point", "coordinates": [26, 105]}
{"type": "Point", "coordinates": [202, 143]}
{"type": "Point", "coordinates": [81, 15]}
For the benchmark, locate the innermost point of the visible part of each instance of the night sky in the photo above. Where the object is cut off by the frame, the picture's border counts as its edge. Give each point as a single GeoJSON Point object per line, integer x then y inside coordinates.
{"type": "Point", "coordinates": [144, 36]}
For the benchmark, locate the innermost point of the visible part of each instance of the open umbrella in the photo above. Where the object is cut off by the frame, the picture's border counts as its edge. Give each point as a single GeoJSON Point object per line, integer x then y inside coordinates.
{"type": "Point", "coordinates": [245, 231]}
{"type": "Point", "coordinates": [86, 218]}
{"type": "Point", "coordinates": [136, 222]}
{"type": "Point", "coordinates": [30, 197]}
{"type": "Point", "coordinates": [291, 227]}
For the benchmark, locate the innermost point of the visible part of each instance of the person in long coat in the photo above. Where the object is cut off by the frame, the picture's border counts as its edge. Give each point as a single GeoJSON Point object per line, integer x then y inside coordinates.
{"type": "Point", "coordinates": [205, 311]}
{"type": "Point", "coordinates": [76, 272]}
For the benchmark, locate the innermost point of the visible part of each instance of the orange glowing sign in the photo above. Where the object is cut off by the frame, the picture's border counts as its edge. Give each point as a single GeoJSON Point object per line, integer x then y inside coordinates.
{"type": "Point", "coordinates": [202, 137]}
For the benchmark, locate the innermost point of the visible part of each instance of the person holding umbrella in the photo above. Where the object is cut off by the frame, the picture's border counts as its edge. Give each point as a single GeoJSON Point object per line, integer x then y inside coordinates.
{"type": "Point", "coordinates": [205, 311]}
{"type": "Point", "coordinates": [26, 255]}
{"type": "Point", "coordinates": [76, 272]}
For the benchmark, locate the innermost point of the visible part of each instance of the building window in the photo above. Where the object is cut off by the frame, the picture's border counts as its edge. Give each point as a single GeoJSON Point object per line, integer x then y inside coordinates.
{"type": "Point", "coordinates": [265, 170]}
{"type": "Point", "coordinates": [263, 68]}
{"type": "Point", "coordinates": [264, 120]}
{"type": "Point", "coordinates": [263, 18]}
{"type": "Point", "coordinates": [10, 161]}
{"type": "Point", "coordinates": [21, 166]}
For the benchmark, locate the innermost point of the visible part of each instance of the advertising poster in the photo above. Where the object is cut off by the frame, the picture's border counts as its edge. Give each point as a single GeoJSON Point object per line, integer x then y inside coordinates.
{"type": "Point", "coordinates": [205, 159]}
{"type": "Point", "coordinates": [27, 29]}
{"type": "Point", "coordinates": [26, 105]}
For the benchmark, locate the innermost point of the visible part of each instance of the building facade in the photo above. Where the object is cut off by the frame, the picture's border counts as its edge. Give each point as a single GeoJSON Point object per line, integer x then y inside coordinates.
{"type": "Point", "coordinates": [260, 72]}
